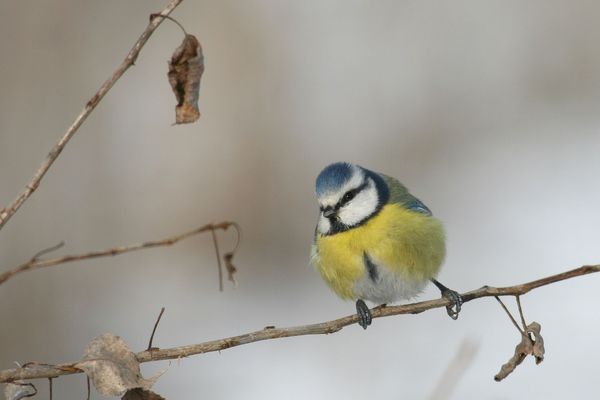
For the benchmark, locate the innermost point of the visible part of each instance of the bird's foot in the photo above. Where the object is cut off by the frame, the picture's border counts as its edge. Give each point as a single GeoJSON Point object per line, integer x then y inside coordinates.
{"type": "Point", "coordinates": [454, 309]}
{"type": "Point", "coordinates": [364, 314]}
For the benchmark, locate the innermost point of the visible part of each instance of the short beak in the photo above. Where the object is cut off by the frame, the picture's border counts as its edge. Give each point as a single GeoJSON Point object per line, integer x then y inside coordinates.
{"type": "Point", "coordinates": [328, 213]}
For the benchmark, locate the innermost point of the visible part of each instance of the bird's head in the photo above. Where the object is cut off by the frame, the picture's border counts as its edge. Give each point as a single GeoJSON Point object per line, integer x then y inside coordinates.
{"type": "Point", "coordinates": [348, 195]}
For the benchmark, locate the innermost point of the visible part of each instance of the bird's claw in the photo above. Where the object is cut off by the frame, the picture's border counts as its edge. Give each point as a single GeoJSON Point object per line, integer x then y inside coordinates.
{"type": "Point", "coordinates": [457, 301]}
{"type": "Point", "coordinates": [454, 309]}
{"type": "Point", "coordinates": [364, 314]}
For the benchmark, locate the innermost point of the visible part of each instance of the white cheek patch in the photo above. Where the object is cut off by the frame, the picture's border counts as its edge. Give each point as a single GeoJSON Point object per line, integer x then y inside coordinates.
{"type": "Point", "coordinates": [323, 225]}
{"type": "Point", "coordinates": [359, 208]}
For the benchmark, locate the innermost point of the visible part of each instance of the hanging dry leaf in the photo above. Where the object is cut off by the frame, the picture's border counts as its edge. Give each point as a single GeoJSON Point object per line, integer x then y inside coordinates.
{"type": "Point", "coordinates": [185, 70]}
{"type": "Point", "coordinates": [528, 346]}
{"type": "Point", "coordinates": [231, 269]}
{"type": "Point", "coordinates": [538, 350]}
{"type": "Point", "coordinates": [112, 366]}
{"type": "Point", "coordinates": [19, 390]}
{"type": "Point", "coordinates": [141, 394]}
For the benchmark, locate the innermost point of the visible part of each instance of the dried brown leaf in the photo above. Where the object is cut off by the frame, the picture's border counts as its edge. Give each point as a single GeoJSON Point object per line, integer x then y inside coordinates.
{"type": "Point", "coordinates": [528, 346]}
{"type": "Point", "coordinates": [112, 366]}
{"type": "Point", "coordinates": [19, 390]}
{"type": "Point", "coordinates": [231, 269]}
{"type": "Point", "coordinates": [538, 350]}
{"type": "Point", "coordinates": [141, 394]}
{"type": "Point", "coordinates": [185, 70]}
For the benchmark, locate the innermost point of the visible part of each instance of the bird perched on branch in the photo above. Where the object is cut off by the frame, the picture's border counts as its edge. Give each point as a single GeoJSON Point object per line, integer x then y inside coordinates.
{"type": "Point", "coordinates": [375, 241]}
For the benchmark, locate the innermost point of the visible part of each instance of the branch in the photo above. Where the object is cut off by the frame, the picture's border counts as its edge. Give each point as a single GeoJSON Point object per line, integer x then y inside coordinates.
{"type": "Point", "coordinates": [155, 21]}
{"type": "Point", "coordinates": [37, 370]}
{"type": "Point", "coordinates": [36, 263]}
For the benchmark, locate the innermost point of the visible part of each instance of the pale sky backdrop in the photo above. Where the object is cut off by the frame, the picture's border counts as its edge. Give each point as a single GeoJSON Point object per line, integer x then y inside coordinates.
{"type": "Point", "coordinates": [487, 110]}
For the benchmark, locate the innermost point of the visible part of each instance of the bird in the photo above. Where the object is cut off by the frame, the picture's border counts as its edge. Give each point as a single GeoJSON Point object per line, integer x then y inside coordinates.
{"type": "Point", "coordinates": [375, 241]}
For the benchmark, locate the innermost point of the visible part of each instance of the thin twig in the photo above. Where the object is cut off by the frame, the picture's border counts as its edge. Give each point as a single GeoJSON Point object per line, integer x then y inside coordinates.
{"type": "Point", "coordinates": [8, 212]}
{"type": "Point", "coordinates": [521, 313]}
{"type": "Point", "coordinates": [510, 316]}
{"type": "Point", "coordinates": [36, 371]}
{"type": "Point", "coordinates": [88, 387]}
{"type": "Point", "coordinates": [216, 244]}
{"type": "Point", "coordinates": [50, 386]}
{"type": "Point", "coordinates": [35, 263]}
{"type": "Point", "coordinates": [48, 250]}
{"type": "Point", "coordinates": [171, 19]}
{"type": "Point", "coordinates": [238, 230]}
{"type": "Point", "coordinates": [162, 310]}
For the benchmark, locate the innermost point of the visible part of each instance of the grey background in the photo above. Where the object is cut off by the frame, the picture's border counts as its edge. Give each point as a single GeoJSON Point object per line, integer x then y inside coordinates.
{"type": "Point", "coordinates": [487, 110]}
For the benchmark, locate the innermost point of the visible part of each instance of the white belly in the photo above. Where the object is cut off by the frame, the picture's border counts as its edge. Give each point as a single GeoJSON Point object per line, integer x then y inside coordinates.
{"type": "Point", "coordinates": [387, 288]}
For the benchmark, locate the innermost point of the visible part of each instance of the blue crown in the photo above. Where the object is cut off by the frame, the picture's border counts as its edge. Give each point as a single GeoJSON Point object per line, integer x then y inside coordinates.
{"type": "Point", "coordinates": [333, 177]}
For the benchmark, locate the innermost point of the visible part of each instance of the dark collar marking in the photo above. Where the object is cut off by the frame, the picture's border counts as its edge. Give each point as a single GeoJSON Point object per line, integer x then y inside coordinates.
{"type": "Point", "coordinates": [371, 267]}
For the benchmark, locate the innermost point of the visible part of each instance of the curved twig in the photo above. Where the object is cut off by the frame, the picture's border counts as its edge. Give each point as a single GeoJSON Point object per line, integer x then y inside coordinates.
{"type": "Point", "coordinates": [35, 371]}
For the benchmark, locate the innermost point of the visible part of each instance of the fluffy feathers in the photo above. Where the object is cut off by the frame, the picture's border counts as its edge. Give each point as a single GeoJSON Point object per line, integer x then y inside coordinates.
{"type": "Point", "coordinates": [374, 240]}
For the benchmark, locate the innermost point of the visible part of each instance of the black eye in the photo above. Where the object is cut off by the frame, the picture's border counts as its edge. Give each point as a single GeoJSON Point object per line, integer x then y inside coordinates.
{"type": "Point", "coordinates": [348, 196]}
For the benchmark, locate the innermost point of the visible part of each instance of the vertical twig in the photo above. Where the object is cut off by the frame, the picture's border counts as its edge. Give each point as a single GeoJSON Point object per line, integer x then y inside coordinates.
{"type": "Point", "coordinates": [216, 243]}
{"type": "Point", "coordinates": [88, 387]}
{"type": "Point", "coordinates": [50, 389]}
{"type": "Point", "coordinates": [521, 312]}
{"type": "Point", "coordinates": [162, 310]}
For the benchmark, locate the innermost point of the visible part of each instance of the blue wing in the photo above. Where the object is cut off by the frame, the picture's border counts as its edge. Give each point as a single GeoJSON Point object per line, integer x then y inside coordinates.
{"type": "Point", "coordinates": [417, 205]}
{"type": "Point", "coordinates": [399, 194]}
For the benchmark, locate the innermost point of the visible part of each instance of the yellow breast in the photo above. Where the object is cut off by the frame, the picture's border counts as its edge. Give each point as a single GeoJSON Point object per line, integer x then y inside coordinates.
{"type": "Point", "coordinates": [408, 243]}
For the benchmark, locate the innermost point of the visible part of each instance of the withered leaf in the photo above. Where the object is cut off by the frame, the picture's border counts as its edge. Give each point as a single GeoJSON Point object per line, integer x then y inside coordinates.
{"type": "Point", "coordinates": [185, 70]}
{"type": "Point", "coordinates": [528, 346]}
{"type": "Point", "coordinates": [538, 350]}
{"type": "Point", "coordinates": [231, 269]}
{"type": "Point", "coordinates": [141, 394]}
{"type": "Point", "coordinates": [112, 366]}
{"type": "Point", "coordinates": [19, 390]}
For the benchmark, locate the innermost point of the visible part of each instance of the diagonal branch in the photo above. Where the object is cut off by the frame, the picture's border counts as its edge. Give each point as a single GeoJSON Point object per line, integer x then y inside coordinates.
{"type": "Point", "coordinates": [37, 370]}
{"type": "Point", "coordinates": [155, 21]}
{"type": "Point", "coordinates": [36, 263]}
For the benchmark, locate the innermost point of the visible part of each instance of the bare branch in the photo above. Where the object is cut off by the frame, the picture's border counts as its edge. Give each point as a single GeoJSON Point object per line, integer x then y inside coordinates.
{"type": "Point", "coordinates": [37, 370]}
{"type": "Point", "coordinates": [36, 263]}
{"type": "Point", "coordinates": [8, 212]}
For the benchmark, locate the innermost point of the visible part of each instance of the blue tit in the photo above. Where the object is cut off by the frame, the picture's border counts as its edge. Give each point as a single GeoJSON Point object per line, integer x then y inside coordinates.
{"type": "Point", "coordinates": [374, 240]}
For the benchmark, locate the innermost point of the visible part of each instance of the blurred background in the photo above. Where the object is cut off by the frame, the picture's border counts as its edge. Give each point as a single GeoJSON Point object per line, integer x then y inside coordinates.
{"type": "Point", "coordinates": [487, 111]}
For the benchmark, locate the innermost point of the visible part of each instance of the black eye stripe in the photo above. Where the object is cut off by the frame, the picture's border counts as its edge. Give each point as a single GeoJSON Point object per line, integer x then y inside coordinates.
{"type": "Point", "coordinates": [350, 194]}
